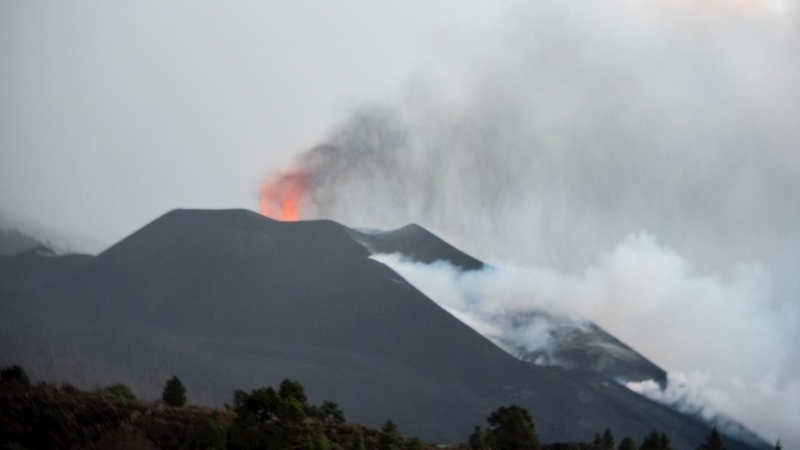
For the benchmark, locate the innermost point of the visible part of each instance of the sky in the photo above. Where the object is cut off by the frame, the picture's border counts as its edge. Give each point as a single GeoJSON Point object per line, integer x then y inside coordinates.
{"type": "Point", "coordinates": [632, 161]}
{"type": "Point", "coordinates": [112, 114]}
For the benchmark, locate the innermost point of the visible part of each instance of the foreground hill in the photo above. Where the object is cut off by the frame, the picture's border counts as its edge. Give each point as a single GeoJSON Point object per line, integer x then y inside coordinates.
{"type": "Point", "coordinates": [230, 299]}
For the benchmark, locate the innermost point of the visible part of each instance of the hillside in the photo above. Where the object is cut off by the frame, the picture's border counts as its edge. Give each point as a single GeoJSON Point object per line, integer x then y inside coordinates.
{"type": "Point", "coordinates": [230, 299]}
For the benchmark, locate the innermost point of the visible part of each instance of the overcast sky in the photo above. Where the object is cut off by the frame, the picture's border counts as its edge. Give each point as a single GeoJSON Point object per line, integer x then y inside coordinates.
{"type": "Point", "coordinates": [112, 113]}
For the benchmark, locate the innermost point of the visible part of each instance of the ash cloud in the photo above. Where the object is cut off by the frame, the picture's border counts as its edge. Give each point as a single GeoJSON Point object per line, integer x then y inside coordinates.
{"type": "Point", "coordinates": [580, 124]}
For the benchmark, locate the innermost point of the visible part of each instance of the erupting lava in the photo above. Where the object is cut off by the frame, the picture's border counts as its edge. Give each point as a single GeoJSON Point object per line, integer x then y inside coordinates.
{"type": "Point", "coordinates": [281, 198]}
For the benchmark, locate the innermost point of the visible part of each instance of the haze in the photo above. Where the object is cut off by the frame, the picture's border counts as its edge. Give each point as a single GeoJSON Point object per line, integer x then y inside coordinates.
{"type": "Point", "coordinates": [633, 161]}
{"type": "Point", "coordinates": [112, 114]}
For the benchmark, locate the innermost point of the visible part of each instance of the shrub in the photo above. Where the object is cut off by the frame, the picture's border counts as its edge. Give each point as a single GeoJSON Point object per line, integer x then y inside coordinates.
{"type": "Point", "coordinates": [15, 374]}
{"type": "Point", "coordinates": [209, 436]}
{"type": "Point", "coordinates": [121, 391]}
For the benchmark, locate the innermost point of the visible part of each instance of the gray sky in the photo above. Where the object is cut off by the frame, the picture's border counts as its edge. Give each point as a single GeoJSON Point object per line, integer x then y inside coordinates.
{"type": "Point", "coordinates": [112, 113]}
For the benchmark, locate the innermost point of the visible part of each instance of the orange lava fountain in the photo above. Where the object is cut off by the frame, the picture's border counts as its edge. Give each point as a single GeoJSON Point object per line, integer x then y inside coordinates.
{"type": "Point", "coordinates": [282, 198]}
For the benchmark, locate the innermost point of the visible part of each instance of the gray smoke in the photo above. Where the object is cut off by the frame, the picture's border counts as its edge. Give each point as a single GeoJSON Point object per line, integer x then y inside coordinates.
{"type": "Point", "coordinates": [642, 155]}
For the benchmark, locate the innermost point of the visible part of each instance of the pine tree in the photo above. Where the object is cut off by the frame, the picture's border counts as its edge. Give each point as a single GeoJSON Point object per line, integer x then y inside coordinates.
{"type": "Point", "coordinates": [389, 436]}
{"type": "Point", "coordinates": [778, 445]}
{"type": "Point", "coordinates": [607, 440]}
{"type": "Point", "coordinates": [627, 444]}
{"type": "Point", "coordinates": [656, 441]}
{"type": "Point", "coordinates": [713, 442]}
{"type": "Point", "coordinates": [174, 393]}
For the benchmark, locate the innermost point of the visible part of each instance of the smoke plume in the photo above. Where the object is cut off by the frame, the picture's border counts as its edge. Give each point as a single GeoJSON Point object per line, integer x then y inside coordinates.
{"type": "Point", "coordinates": [631, 162]}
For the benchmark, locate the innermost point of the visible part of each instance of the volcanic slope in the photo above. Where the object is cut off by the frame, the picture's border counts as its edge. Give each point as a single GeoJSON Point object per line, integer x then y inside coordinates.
{"type": "Point", "coordinates": [230, 299]}
{"type": "Point", "coordinates": [572, 344]}
{"type": "Point", "coordinates": [417, 244]}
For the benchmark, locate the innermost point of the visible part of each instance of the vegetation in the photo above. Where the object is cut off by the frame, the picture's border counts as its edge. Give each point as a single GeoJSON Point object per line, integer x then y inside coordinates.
{"type": "Point", "coordinates": [627, 443]}
{"type": "Point", "coordinates": [390, 436]}
{"type": "Point", "coordinates": [119, 390]}
{"type": "Point", "coordinates": [64, 417]}
{"type": "Point", "coordinates": [479, 439]}
{"type": "Point", "coordinates": [512, 429]}
{"type": "Point", "coordinates": [607, 441]}
{"type": "Point", "coordinates": [15, 375]}
{"type": "Point", "coordinates": [357, 441]}
{"type": "Point", "coordinates": [174, 393]}
{"type": "Point", "coordinates": [656, 441]}
{"type": "Point", "coordinates": [713, 442]}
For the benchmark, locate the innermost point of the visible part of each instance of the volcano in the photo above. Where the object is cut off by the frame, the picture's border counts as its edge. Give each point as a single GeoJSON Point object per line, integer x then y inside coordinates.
{"type": "Point", "coordinates": [234, 300]}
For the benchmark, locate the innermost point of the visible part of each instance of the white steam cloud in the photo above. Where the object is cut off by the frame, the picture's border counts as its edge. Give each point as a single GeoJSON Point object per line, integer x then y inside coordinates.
{"type": "Point", "coordinates": [575, 127]}
{"type": "Point", "coordinates": [721, 330]}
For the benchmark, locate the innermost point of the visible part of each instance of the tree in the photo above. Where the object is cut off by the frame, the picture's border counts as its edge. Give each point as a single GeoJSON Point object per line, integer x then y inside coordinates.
{"type": "Point", "coordinates": [607, 442]}
{"type": "Point", "coordinates": [478, 439]}
{"type": "Point", "coordinates": [357, 443]}
{"type": "Point", "coordinates": [290, 388]}
{"type": "Point", "coordinates": [713, 442]}
{"type": "Point", "coordinates": [16, 375]}
{"type": "Point", "coordinates": [330, 411]}
{"type": "Point", "coordinates": [627, 444]}
{"type": "Point", "coordinates": [414, 444]}
{"type": "Point", "coordinates": [257, 415]}
{"type": "Point", "coordinates": [778, 445]}
{"type": "Point", "coordinates": [389, 436]}
{"type": "Point", "coordinates": [656, 441]}
{"type": "Point", "coordinates": [512, 429]}
{"type": "Point", "coordinates": [121, 391]}
{"type": "Point", "coordinates": [174, 393]}
{"type": "Point", "coordinates": [264, 420]}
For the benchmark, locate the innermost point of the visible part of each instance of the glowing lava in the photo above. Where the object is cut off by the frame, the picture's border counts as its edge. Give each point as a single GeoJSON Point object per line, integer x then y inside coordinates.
{"type": "Point", "coordinates": [282, 198]}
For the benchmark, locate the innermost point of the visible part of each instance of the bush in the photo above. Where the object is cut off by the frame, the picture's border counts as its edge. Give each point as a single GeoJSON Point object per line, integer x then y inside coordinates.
{"type": "Point", "coordinates": [209, 436]}
{"type": "Point", "coordinates": [14, 375]}
{"type": "Point", "coordinates": [121, 391]}
{"type": "Point", "coordinates": [69, 388]}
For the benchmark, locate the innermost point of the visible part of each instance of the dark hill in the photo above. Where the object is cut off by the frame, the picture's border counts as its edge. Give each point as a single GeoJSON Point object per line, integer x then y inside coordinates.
{"type": "Point", "coordinates": [417, 244]}
{"type": "Point", "coordinates": [230, 299]}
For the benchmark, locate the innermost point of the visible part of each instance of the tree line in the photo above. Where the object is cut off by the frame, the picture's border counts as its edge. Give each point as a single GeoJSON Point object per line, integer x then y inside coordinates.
{"type": "Point", "coordinates": [282, 418]}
